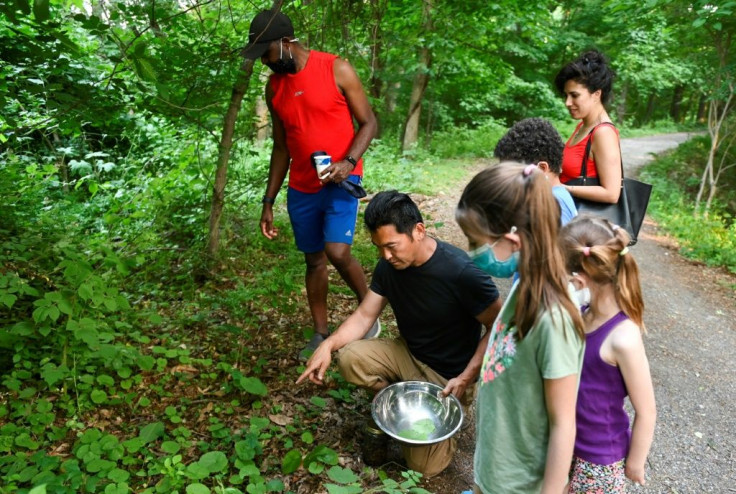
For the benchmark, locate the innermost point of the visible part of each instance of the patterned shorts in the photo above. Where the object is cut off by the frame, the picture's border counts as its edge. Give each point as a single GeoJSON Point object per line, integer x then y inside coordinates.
{"type": "Point", "coordinates": [590, 478]}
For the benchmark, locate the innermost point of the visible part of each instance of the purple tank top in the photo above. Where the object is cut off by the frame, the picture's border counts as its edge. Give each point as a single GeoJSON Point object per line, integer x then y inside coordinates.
{"type": "Point", "coordinates": [603, 433]}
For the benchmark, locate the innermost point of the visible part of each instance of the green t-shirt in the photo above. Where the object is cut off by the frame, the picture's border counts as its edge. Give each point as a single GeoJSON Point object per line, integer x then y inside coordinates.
{"type": "Point", "coordinates": [512, 426]}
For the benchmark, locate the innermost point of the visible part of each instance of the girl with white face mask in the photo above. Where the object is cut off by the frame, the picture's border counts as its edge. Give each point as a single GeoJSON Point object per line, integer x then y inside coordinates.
{"type": "Point", "coordinates": [529, 377]}
{"type": "Point", "coordinates": [615, 363]}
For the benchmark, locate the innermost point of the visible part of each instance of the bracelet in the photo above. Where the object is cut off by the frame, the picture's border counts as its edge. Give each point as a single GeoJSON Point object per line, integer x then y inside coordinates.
{"type": "Point", "coordinates": [352, 161]}
{"type": "Point", "coordinates": [268, 200]}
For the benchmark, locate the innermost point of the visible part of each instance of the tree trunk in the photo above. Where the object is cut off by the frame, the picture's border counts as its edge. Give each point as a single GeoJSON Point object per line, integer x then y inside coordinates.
{"type": "Point", "coordinates": [375, 83]}
{"type": "Point", "coordinates": [621, 107]}
{"type": "Point", "coordinates": [700, 116]}
{"type": "Point", "coordinates": [650, 109]}
{"type": "Point", "coordinates": [421, 79]}
{"type": "Point", "coordinates": [716, 116]}
{"type": "Point", "coordinates": [223, 158]}
{"type": "Point", "coordinates": [226, 144]}
{"type": "Point", "coordinates": [262, 120]}
{"type": "Point", "coordinates": [62, 165]}
{"type": "Point", "coordinates": [676, 103]}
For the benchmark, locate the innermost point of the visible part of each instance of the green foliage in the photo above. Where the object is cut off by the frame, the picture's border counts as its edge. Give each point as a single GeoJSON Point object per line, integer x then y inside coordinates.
{"type": "Point", "coordinates": [675, 177]}
{"type": "Point", "coordinates": [127, 364]}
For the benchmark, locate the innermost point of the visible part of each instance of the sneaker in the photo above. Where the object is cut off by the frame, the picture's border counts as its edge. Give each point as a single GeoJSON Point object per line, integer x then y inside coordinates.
{"type": "Point", "coordinates": [307, 351]}
{"type": "Point", "coordinates": [374, 332]}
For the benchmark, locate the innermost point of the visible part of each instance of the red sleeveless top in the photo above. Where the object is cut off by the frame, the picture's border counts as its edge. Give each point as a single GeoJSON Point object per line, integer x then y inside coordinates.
{"type": "Point", "coordinates": [316, 117]}
{"type": "Point", "coordinates": [572, 156]}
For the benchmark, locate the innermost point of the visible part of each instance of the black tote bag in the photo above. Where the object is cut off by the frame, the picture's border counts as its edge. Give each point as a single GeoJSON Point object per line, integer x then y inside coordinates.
{"type": "Point", "coordinates": [632, 203]}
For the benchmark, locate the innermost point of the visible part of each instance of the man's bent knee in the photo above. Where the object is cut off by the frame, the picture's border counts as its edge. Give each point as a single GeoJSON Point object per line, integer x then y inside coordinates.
{"type": "Point", "coordinates": [352, 365]}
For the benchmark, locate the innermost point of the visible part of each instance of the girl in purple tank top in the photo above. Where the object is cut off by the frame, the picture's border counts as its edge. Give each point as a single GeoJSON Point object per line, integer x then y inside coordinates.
{"type": "Point", "coordinates": [615, 363]}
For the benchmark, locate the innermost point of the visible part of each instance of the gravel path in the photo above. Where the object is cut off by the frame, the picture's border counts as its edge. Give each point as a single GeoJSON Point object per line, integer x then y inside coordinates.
{"type": "Point", "coordinates": [691, 321]}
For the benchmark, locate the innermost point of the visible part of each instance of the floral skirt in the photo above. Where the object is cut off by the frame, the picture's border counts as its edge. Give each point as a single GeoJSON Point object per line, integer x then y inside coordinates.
{"type": "Point", "coordinates": [591, 478]}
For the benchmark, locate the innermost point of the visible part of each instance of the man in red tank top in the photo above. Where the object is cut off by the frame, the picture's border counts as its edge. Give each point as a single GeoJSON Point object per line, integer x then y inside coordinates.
{"type": "Point", "coordinates": [313, 98]}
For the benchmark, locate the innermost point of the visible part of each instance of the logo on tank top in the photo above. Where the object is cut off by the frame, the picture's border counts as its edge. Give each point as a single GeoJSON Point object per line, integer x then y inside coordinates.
{"type": "Point", "coordinates": [500, 353]}
{"type": "Point", "coordinates": [298, 93]}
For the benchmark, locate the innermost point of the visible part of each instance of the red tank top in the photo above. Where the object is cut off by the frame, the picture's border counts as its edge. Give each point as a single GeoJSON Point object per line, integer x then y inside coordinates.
{"type": "Point", "coordinates": [316, 117]}
{"type": "Point", "coordinates": [572, 156]}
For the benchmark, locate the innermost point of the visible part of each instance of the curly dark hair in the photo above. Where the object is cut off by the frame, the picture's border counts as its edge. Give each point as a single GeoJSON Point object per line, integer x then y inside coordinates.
{"type": "Point", "coordinates": [530, 141]}
{"type": "Point", "coordinates": [591, 70]}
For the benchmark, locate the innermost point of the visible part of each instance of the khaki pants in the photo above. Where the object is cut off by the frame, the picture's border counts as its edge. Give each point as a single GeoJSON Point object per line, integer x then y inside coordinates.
{"type": "Point", "coordinates": [377, 363]}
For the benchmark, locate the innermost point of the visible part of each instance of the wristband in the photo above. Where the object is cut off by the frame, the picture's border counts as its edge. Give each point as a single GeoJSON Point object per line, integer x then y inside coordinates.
{"type": "Point", "coordinates": [352, 161]}
{"type": "Point", "coordinates": [268, 200]}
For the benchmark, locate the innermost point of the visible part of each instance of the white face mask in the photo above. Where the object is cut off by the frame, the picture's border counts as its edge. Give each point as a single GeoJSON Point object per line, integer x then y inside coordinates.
{"type": "Point", "coordinates": [581, 297]}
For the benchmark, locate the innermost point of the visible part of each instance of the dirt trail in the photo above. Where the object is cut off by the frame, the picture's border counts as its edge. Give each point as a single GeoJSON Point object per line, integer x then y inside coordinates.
{"type": "Point", "coordinates": [691, 321]}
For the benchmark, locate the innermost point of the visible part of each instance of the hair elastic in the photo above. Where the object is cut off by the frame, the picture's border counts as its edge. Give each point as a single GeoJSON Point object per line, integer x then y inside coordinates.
{"type": "Point", "coordinates": [624, 251]}
{"type": "Point", "coordinates": [529, 169]}
{"type": "Point", "coordinates": [586, 251]}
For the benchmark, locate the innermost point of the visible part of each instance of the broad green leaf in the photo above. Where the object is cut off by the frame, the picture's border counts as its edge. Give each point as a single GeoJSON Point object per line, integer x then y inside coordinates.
{"type": "Point", "coordinates": [39, 489]}
{"type": "Point", "coordinates": [275, 485]}
{"type": "Point", "coordinates": [98, 396]}
{"type": "Point", "coordinates": [170, 447]}
{"type": "Point", "coordinates": [118, 475]}
{"type": "Point", "coordinates": [247, 469]}
{"type": "Point", "coordinates": [133, 445]}
{"type": "Point", "coordinates": [198, 489]}
{"type": "Point", "coordinates": [196, 471]}
{"type": "Point", "coordinates": [85, 291]}
{"type": "Point", "coordinates": [119, 488]}
{"type": "Point", "coordinates": [24, 440]}
{"type": "Point", "coordinates": [8, 299]}
{"type": "Point", "coordinates": [322, 454]}
{"type": "Point", "coordinates": [53, 374]}
{"type": "Point", "coordinates": [342, 475]}
{"type": "Point", "coordinates": [99, 465]}
{"type": "Point", "coordinates": [105, 380]}
{"type": "Point", "coordinates": [291, 462]}
{"type": "Point", "coordinates": [151, 432]}
{"type": "Point", "coordinates": [146, 362]}
{"type": "Point", "coordinates": [244, 450]}
{"type": "Point", "coordinates": [213, 461]}
{"type": "Point", "coordinates": [259, 423]}
{"type": "Point", "coordinates": [318, 401]}
{"type": "Point", "coordinates": [254, 386]}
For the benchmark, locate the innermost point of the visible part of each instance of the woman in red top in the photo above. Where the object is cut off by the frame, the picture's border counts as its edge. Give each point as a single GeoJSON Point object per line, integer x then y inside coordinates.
{"type": "Point", "coordinates": [586, 86]}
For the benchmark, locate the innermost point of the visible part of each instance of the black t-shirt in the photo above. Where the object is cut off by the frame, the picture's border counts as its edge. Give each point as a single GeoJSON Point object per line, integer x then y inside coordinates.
{"type": "Point", "coordinates": [435, 305]}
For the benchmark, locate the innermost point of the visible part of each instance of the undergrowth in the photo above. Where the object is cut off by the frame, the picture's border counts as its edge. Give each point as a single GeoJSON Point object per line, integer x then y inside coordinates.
{"type": "Point", "coordinates": [709, 238]}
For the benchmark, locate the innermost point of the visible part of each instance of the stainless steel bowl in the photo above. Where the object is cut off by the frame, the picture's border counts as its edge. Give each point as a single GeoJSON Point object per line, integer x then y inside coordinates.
{"type": "Point", "coordinates": [415, 412]}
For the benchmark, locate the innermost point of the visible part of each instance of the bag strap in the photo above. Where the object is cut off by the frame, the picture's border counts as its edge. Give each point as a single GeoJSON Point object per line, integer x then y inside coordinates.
{"type": "Point", "coordinates": [584, 166]}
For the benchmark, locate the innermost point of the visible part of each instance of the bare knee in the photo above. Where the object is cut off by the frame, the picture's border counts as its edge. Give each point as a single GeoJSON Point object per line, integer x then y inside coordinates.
{"type": "Point", "coordinates": [315, 262]}
{"type": "Point", "coordinates": [339, 255]}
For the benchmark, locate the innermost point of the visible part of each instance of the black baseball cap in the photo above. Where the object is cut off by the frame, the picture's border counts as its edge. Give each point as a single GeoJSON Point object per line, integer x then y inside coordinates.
{"type": "Point", "coordinates": [267, 26]}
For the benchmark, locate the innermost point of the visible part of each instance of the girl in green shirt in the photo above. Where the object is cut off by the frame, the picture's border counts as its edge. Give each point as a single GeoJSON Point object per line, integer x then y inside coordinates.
{"type": "Point", "coordinates": [529, 377]}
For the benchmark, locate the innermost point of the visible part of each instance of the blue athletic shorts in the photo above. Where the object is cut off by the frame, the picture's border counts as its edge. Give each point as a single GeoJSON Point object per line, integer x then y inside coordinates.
{"type": "Point", "coordinates": [326, 216]}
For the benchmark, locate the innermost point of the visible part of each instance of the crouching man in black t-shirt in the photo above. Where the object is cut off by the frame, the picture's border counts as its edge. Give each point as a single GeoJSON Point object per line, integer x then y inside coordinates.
{"type": "Point", "coordinates": [440, 299]}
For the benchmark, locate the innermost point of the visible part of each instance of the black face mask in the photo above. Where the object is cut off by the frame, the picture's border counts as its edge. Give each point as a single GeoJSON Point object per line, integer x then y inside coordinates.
{"type": "Point", "coordinates": [282, 66]}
